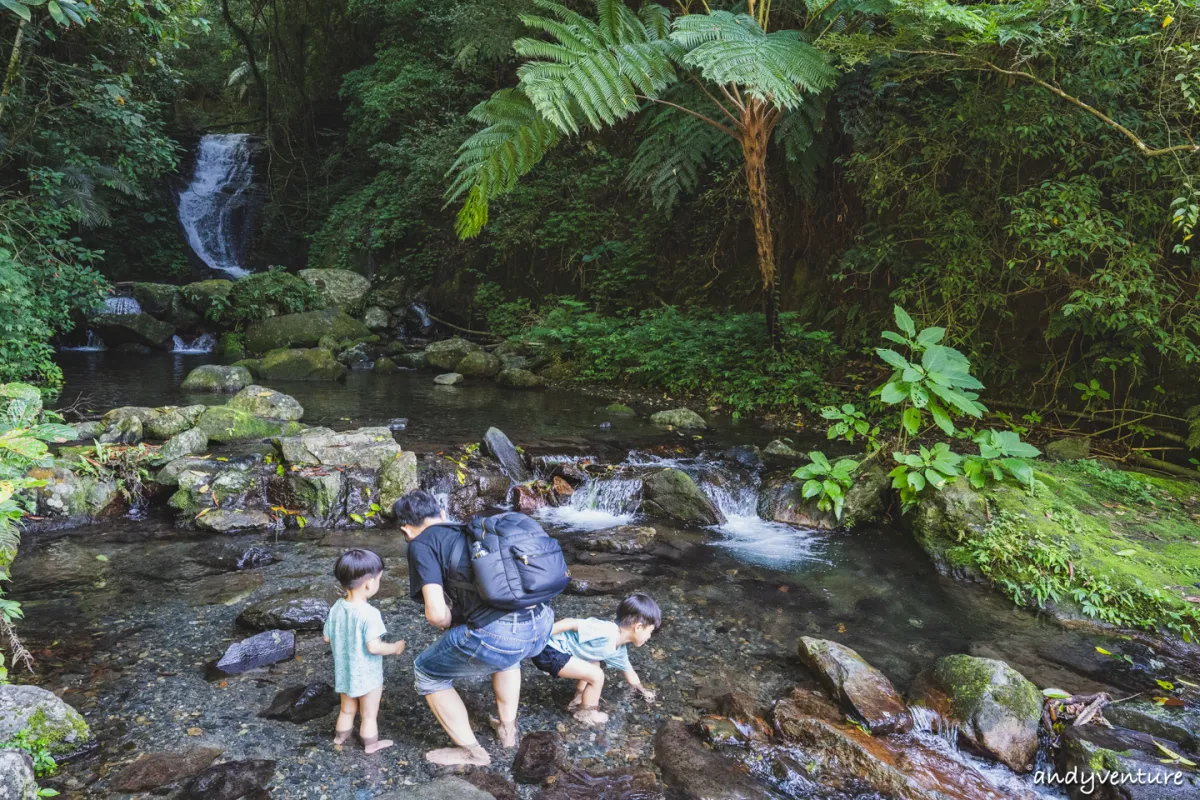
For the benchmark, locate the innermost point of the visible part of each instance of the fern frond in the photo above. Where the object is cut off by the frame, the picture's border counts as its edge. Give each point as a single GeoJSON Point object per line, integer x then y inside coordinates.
{"type": "Point", "coordinates": [677, 150]}
{"type": "Point", "coordinates": [804, 139]}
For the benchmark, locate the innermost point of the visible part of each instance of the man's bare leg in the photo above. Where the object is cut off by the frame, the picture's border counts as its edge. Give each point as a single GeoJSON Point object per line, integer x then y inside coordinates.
{"type": "Point", "coordinates": [507, 686]}
{"type": "Point", "coordinates": [448, 707]}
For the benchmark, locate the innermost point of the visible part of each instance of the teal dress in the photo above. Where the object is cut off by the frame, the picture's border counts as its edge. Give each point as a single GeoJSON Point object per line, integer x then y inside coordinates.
{"type": "Point", "coordinates": [349, 627]}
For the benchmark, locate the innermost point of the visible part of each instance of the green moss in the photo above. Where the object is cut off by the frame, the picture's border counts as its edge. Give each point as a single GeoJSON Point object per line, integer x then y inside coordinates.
{"type": "Point", "coordinates": [58, 737]}
{"type": "Point", "coordinates": [224, 424]}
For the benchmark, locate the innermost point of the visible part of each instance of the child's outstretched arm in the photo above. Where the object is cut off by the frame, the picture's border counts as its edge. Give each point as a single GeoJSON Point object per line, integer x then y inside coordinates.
{"type": "Point", "coordinates": [564, 625]}
{"type": "Point", "coordinates": [378, 647]}
{"type": "Point", "coordinates": [636, 683]}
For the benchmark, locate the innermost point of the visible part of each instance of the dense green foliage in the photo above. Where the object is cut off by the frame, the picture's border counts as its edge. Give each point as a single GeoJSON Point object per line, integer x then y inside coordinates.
{"type": "Point", "coordinates": [263, 295]}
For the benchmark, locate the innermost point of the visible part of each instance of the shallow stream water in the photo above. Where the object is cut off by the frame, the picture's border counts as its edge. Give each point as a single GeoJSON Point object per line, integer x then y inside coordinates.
{"type": "Point", "coordinates": [123, 616]}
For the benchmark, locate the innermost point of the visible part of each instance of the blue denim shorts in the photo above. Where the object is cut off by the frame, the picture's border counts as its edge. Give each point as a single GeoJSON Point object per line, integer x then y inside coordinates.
{"type": "Point", "coordinates": [465, 652]}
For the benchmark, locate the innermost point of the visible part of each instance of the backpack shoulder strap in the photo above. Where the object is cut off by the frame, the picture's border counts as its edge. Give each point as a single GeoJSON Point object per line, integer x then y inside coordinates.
{"type": "Point", "coordinates": [458, 548]}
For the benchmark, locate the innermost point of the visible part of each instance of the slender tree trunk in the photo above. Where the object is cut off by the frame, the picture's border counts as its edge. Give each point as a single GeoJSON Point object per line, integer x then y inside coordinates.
{"type": "Point", "coordinates": [756, 133]}
{"type": "Point", "coordinates": [14, 65]}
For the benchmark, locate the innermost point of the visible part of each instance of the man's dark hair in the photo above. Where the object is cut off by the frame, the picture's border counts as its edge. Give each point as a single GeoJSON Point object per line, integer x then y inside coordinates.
{"type": "Point", "coordinates": [639, 608]}
{"type": "Point", "coordinates": [356, 566]}
{"type": "Point", "coordinates": [416, 507]}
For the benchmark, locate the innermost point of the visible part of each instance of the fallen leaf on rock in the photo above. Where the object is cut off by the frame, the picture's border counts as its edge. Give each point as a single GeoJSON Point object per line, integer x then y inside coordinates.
{"type": "Point", "coordinates": [195, 732]}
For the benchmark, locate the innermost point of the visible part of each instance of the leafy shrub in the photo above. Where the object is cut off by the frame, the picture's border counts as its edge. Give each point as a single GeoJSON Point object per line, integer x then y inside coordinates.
{"type": "Point", "coordinates": [262, 295]}
{"type": "Point", "coordinates": [827, 482]}
{"type": "Point", "coordinates": [503, 318]}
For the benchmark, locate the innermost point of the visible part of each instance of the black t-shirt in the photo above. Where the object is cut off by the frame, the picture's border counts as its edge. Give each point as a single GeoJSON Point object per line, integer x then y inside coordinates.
{"type": "Point", "coordinates": [429, 562]}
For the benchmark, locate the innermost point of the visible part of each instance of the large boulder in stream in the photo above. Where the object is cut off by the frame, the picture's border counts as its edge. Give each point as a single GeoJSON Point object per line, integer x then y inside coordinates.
{"type": "Point", "coordinates": [1177, 724]}
{"type": "Point", "coordinates": [44, 717]}
{"type": "Point", "coordinates": [216, 379]}
{"type": "Point", "coordinates": [155, 298]}
{"type": "Point", "coordinates": [263, 402]}
{"type": "Point", "coordinates": [171, 421]}
{"type": "Point", "coordinates": [997, 710]}
{"type": "Point", "coordinates": [117, 329]}
{"type": "Point", "coordinates": [672, 494]}
{"type": "Point", "coordinates": [681, 418]}
{"type": "Point", "coordinates": [313, 364]}
{"type": "Point", "coordinates": [866, 501]}
{"type": "Point", "coordinates": [187, 443]}
{"type": "Point", "coordinates": [200, 296]}
{"type": "Point", "coordinates": [480, 364]}
{"type": "Point", "coordinates": [341, 288]}
{"type": "Point", "coordinates": [446, 354]}
{"type": "Point", "coordinates": [499, 447]}
{"type": "Point", "coordinates": [17, 781]}
{"type": "Point", "coordinates": [519, 379]}
{"type": "Point", "coordinates": [696, 772]}
{"type": "Point", "coordinates": [75, 496]}
{"type": "Point", "coordinates": [303, 330]}
{"type": "Point", "coordinates": [368, 448]}
{"type": "Point", "coordinates": [857, 685]}
{"type": "Point", "coordinates": [224, 424]}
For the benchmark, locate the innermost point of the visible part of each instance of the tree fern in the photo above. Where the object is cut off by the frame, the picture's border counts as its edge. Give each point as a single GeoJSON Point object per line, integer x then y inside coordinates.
{"type": "Point", "coordinates": [676, 150]}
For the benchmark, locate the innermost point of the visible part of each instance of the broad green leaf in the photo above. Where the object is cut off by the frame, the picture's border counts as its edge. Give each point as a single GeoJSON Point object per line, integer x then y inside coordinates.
{"type": "Point", "coordinates": [17, 8]}
{"type": "Point", "coordinates": [904, 321]}
{"type": "Point", "coordinates": [917, 481]}
{"type": "Point", "coordinates": [819, 459]}
{"type": "Point", "coordinates": [931, 336]}
{"type": "Point", "coordinates": [918, 395]}
{"type": "Point", "coordinates": [963, 404]}
{"type": "Point", "coordinates": [1055, 694]}
{"type": "Point", "coordinates": [941, 418]}
{"type": "Point", "coordinates": [894, 393]}
{"type": "Point", "coordinates": [911, 420]}
{"type": "Point", "coordinates": [892, 336]}
{"type": "Point", "coordinates": [811, 489]}
{"type": "Point", "coordinates": [892, 357]}
{"type": "Point", "coordinates": [57, 12]}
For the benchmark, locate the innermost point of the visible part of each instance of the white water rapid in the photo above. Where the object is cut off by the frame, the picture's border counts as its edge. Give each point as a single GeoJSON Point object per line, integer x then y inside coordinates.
{"type": "Point", "coordinates": [215, 206]}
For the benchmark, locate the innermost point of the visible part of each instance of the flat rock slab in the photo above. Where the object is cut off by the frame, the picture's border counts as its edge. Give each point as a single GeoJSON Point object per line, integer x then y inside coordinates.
{"type": "Point", "coordinates": [286, 612]}
{"type": "Point", "coordinates": [230, 780]}
{"type": "Point", "coordinates": [448, 788]}
{"type": "Point", "coordinates": [154, 770]}
{"type": "Point", "coordinates": [855, 683]}
{"type": "Point", "coordinates": [264, 649]}
{"type": "Point", "coordinates": [627, 539]}
{"type": "Point", "coordinates": [540, 755]}
{"type": "Point", "coordinates": [223, 520]}
{"type": "Point", "coordinates": [303, 703]}
{"type": "Point", "coordinates": [589, 579]}
{"type": "Point", "coordinates": [696, 772]}
{"type": "Point", "coordinates": [386, 545]}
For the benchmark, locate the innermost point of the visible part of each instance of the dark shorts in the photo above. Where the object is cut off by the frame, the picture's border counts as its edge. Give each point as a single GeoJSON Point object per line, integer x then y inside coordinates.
{"type": "Point", "coordinates": [551, 660]}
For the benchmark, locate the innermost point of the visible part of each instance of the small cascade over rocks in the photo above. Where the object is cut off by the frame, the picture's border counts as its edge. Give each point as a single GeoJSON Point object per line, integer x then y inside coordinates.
{"type": "Point", "coordinates": [929, 722]}
{"type": "Point", "coordinates": [219, 209]}
{"type": "Point", "coordinates": [424, 323]}
{"type": "Point", "coordinates": [200, 344]}
{"type": "Point", "coordinates": [598, 504]}
{"type": "Point", "coordinates": [122, 306]}
{"type": "Point", "coordinates": [94, 344]}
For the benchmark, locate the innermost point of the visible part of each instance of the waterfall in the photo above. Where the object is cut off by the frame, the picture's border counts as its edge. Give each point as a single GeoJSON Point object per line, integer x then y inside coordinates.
{"type": "Point", "coordinates": [216, 209]}
{"type": "Point", "coordinates": [201, 344]}
{"type": "Point", "coordinates": [424, 322]}
{"type": "Point", "coordinates": [598, 504]}
{"type": "Point", "coordinates": [927, 721]}
{"type": "Point", "coordinates": [94, 344]}
{"type": "Point", "coordinates": [121, 305]}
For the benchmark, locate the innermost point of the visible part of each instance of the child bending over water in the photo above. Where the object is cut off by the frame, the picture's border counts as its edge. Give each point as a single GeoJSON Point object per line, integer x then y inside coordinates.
{"type": "Point", "coordinates": [355, 629]}
{"type": "Point", "coordinates": [577, 645]}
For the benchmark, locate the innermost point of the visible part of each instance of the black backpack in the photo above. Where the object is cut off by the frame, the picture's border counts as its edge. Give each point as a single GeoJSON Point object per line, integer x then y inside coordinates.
{"type": "Point", "coordinates": [516, 564]}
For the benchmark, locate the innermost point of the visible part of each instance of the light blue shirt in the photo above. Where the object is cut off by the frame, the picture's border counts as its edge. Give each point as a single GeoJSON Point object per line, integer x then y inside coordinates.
{"type": "Point", "coordinates": [596, 640]}
{"type": "Point", "coordinates": [349, 627]}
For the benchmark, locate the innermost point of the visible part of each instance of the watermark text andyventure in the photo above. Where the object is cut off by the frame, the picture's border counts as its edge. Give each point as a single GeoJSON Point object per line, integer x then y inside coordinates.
{"type": "Point", "coordinates": [1086, 781]}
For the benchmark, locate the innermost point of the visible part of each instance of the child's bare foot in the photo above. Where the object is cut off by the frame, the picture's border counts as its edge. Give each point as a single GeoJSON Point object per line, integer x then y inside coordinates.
{"type": "Point", "coordinates": [340, 737]}
{"type": "Point", "coordinates": [575, 703]}
{"type": "Point", "coordinates": [474, 756]}
{"type": "Point", "coordinates": [506, 732]}
{"type": "Point", "coordinates": [590, 715]}
{"type": "Point", "coordinates": [376, 744]}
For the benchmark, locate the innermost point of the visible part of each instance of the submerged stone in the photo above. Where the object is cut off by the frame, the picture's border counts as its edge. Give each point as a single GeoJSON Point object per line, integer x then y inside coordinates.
{"type": "Point", "coordinates": [447, 788]}
{"type": "Point", "coordinates": [229, 520]}
{"type": "Point", "coordinates": [154, 770]}
{"type": "Point", "coordinates": [540, 755]}
{"type": "Point", "coordinates": [45, 718]}
{"type": "Point", "coordinates": [303, 703]}
{"type": "Point", "coordinates": [217, 379]}
{"type": "Point", "coordinates": [589, 579]}
{"type": "Point", "coordinates": [230, 780]}
{"type": "Point", "coordinates": [856, 684]}
{"type": "Point", "coordinates": [261, 650]}
{"type": "Point", "coordinates": [629, 539]}
{"type": "Point", "coordinates": [697, 772]}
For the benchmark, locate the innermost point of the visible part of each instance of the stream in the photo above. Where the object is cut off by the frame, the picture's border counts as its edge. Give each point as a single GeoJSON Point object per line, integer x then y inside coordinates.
{"type": "Point", "coordinates": [123, 616]}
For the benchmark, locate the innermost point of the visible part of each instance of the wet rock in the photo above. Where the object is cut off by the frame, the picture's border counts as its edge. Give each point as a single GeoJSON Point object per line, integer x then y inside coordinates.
{"type": "Point", "coordinates": [303, 330]}
{"type": "Point", "coordinates": [1177, 724]}
{"type": "Point", "coordinates": [410, 360]}
{"type": "Point", "coordinates": [231, 557]}
{"type": "Point", "coordinates": [681, 418]}
{"type": "Point", "coordinates": [66, 494]}
{"type": "Point", "coordinates": [575, 784]}
{"type": "Point", "coordinates": [519, 379]}
{"type": "Point", "coordinates": [319, 493]}
{"type": "Point", "coordinates": [696, 772]}
{"type": "Point", "coordinates": [154, 770]}
{"type": "Point", "coordinates": [672, 494]}
{"type": "Point", "coordinates": [376, 318]}
{"type": "Point", "coordinates": [230, 780]}
{"type": "Point", "coordinates": [341, 288]}
{"type": "Point", "coordinates": [942, 519]}
{"type": "Point", "coordinates": [117, 329]}
{"type": "Point", "coordinates": [856, 684]}
{"type": "Point", "coordinates": [201, 295]}
{"type": "Point", "coordinates": [124, 412]}
{"type": "Point", "coordinates": [448, 379]}
{"type": "Point", "coordinates": [447, 788]}
{"type": "Point", "coordinates": [286, 612]}
{"type": "Point", "coordinates": [1091, 755]}
{"type": "Point", "coordinates": [201, 489]}
{"type": "Point", "coordinates": [387, 545]}
{"type": "Point", "coordinates": [133, 349]}
{"type": "Point", "coordinates": [525, 499]}
{"type": "Point", "coordinates": [171, 421]}
{"type": "Point", "coordinates": [314, 364]}
{"type": "Point", "coordinates": [1071, 448]}
{"type": "Point", "coordinates": [397, 478]}
{"type": "Point", "coordinates": [44, 717]}
{"type": "Point", "coordinates": [866, 501]}
{"type": "Point", "coordinates": [630, 539]}
{"type": "Point", "coordinates": [780, 450]}
{"type": "Point", "coordinates": [367, 448]}
{"type": "Point", "coordinates": [397, 424]}
{"type": "Point", "coordinates": [998, 711]}
{"type": "Point", "coordinates": [746, 456]}
{"type": "Point", "coordinates": [17, 781]}
{"type": "Point", "coordinates": [263, 402]}
{"type": "Point", "coordinates": [480, 364]}
{"type": "Point", "coordinates": [87, 431]}
{"type": "Point", "coordinates": [223, 520]}
{"type": "Point", "coordinates": [590, 579]}
{"type": "Point", "coordinates": [303, 703]}
{"type": "Point", "coordinates": [385, 364]}
{"type": "Point", "coordinates": [356, 356]}
{"type": "Point", "coordinates": [155, 298]}
{"type": "Point", "coordinates": [261, 650]}
{"type": "Point", "coordinates": [224, 424]}
{"type": "Point", "coordinates": [499, 447]}
{"type": "Point", "coordinates": [125, 431]}
{"type": "Point", "coordinates": [255, 558]}
{"type": "Point", "coordinates": [446, 354]}
{"type": "Point", "coordinates": [540, 755]}
{"type": "Point", "coordinates": [190, 442]}
{"type": "Point", "coordinates": [495, 785]}
{"type": "Point", "coordinates": [214, 378]}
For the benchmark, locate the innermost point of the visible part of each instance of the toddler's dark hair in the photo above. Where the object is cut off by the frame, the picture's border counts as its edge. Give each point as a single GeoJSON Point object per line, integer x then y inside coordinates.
{"type": "Point", "coordinates": [355, 566]}
{"type": "Point", "coordinates": [416, 507]}
{"type": "Point", "coordinates": [639, 608]}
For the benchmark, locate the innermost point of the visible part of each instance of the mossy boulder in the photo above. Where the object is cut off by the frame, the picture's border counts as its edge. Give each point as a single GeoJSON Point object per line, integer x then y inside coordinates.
{"type": "Point", "coordinates": [480, 364]}
{"type": "Point", "coordinates": [446, 354]}
{"type": "Point", "coordinates": [127, 430]}
{"type": "Point", "coordinates": [231, 346]}
{"type": "Point", "coordinates": [155, 298]}
{"type": "Point", "coordinates": [303, 330]}
{"type": "Point", "coordinates": [44, 717]}
{"type": "Point", "coordinates": [520, 379]}
{"type": "Point", "coordinates": [216, 379]}
{"type": "Point", "coordinates": [319, 492]}
{"type": "Point", "coordinates": [341, 288]}
{"type": "Point", "coordinates": [21, 391]}
{"type": "Point", "coordinates": [234, 520]}
{"type": "Point", "coordinates": [672, 494]}
{"type": "Point", "coordinates": [376, 318]}
{"type": "Point", "coordinates": [619, 410]}
{"type": "Point", "coordinates": [411, 360]}
{"type": "Point", "coordinates": [118, 329]}
{"type": "Point", "coordinates": [170, 422]}
{"type": "Point", "coordinates": [87, 431]}
{"type": "Point", "coordinates": [1107, 760]}
{"type": "Point", "coordinates": [681, 418]}
{"type": "Point", "coordinates": [201, 295]}
{"type": "Point", "coordinates": [448, 379]}
{"type": "Point", "coordinates": [183, 444]}
{"type": "Point", "coordinates": [1071, 448]}
{"type": "Point", "coordinates": [223, 424]}
{"type": "Point", "coordinates": [1126, 535]}
{"type": "Point", "coordinates": [75, 496]}
{"type": "Point", "coordinates": [997, 710]}
{"type": "Point", "coordinates": [385, 364]}
{"type": "Point", "coordinates": [17, 781]}
{"type": "Point", "coordinates": [1176, 724]}
{"type": "Point", "coordinates": [397, 477]}
{"type": "Point", "coordinates": [313, 364]}
{"type": "Point", "coordinates": [263, 402]}
{"type": "Point", "coordinates": [366, 448]}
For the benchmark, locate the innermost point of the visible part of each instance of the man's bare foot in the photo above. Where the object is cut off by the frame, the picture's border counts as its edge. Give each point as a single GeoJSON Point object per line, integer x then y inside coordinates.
{"type": "Point", "coordinates": [506, 732]}
{"type": "Point", "coordinates": [375, 745]}
{"type": "Point", "coordinates": [459, 756]}
{"type": "Point", "coordinates": [575, 703]}
{"type": "Point", "coordinates": [591, 716]}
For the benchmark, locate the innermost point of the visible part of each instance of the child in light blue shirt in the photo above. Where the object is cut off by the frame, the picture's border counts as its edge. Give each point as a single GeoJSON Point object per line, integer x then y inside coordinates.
{"type": "Point", "coordinates": [577, 646]}
{"type": "Point", "coordinates": [354, 629]}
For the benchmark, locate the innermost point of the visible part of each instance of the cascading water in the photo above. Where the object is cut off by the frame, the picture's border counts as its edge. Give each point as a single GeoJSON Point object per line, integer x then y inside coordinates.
{"type": "Point", "coordinates": [423, 320]}
{"type": "Point", "coordinates": [598, 504]}
{"type": "Point", "coordinates": [217, 208]}
{"type": "Point", "coordinates": [123, 306]}
{"type": "Point", "coordinates": [201, 344]}
{"type": "Point", "coordinates": [94, 344]}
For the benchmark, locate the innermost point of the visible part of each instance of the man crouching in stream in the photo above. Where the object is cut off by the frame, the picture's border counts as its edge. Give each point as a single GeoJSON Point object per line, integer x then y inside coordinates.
{"type": "Point", "coordinates": [479, 640]}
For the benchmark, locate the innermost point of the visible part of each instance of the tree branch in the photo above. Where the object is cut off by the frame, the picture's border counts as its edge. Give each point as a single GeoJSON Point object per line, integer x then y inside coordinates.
{"type": "Point", "coordinates": [987, 66]}
{"type": "Point", "coordinates": [733, 134]}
